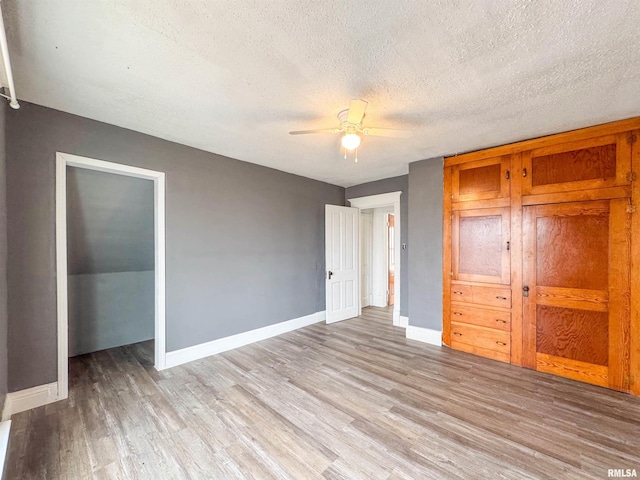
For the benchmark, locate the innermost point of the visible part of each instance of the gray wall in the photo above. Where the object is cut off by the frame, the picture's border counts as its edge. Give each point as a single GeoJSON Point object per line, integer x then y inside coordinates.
{"type": "Point", "coordinates": [425, 243]}
{"type": "Point", "coordinates": [3, 260]}
{"type": "Point", "coordinates": [109, 222]}
{"type": "Point", "coordinates": [110, 242]}
{"type": "Point", "coordinates": [109, 310]}
{"type": "Point", "coordinates": [387, 185]}
{"type": "Point", "coordinates": [245, 244]}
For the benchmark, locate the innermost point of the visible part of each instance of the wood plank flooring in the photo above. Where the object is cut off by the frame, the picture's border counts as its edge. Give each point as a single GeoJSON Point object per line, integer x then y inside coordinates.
{"type": "Point", "coordinates": [349, 400]}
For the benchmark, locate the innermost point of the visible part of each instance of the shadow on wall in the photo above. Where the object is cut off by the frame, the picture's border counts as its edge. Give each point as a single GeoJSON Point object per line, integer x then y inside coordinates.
{"type": "Point", "coordinates": [111, 280]}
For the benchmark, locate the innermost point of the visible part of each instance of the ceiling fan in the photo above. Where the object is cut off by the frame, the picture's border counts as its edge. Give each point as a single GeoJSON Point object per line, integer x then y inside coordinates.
{"type": "Point", "coordinates": [352, 128]}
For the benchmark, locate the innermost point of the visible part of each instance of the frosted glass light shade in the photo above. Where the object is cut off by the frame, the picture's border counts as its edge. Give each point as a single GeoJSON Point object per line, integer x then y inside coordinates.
{"type": "Point", "coordinates": [350, 141]}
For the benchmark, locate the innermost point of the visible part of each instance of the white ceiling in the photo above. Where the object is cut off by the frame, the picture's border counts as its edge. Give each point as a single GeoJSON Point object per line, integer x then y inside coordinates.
{"type": "Point", "coordinates": [233, 77]}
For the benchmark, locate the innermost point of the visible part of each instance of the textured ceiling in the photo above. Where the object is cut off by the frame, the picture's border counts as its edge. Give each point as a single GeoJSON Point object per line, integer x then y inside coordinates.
{"type": "Point", "coordinates": [233, 77]}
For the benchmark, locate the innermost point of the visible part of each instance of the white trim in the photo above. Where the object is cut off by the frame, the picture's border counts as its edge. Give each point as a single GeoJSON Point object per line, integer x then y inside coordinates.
{"type": "Point", "coordinates": [64, 160]}
{"type": "Point", "coordinates": [29, 398]}
{"type": "Point", "coordinates": [189, 354]}
{"type": "Point", "coordinates": [399, 320]}
{"type": "Point", "coordinates": [61, 278]}
{"type": "Point", "coordinates": [5, 429]}
{"type": "Point", "coordinates": [426, 335]}
{"type": "Point", "coordinates": [376, 201]}
{"type": "Point", "coordinates": [383, 200]}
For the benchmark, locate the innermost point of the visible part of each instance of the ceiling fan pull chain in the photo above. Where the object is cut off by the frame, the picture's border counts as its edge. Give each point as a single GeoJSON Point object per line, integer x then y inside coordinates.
{"type": "Point", "coordinates": [356, 154]}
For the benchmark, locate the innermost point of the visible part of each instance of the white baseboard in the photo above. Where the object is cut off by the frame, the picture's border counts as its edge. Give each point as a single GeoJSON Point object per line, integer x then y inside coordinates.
{"type": "Point", "coordinates": [399, 320]}
{"type": "Point", "coordinates": [29, 398]}
{"type": "Point", "coordinates": [426, 335]}
{"type": "Point", "coordinates": [189, 354]}
{"type": "Point", "coordinates": [5, 429]}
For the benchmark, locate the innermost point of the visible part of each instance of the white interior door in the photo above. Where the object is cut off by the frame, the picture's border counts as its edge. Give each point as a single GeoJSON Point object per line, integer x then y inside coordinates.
{"type": "Point", "coordinates": [341, 255]}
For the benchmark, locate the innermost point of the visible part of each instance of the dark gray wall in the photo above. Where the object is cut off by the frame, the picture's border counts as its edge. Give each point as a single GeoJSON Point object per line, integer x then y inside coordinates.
{"type": "Point", "coordinates": [425, 243]}
{"type": "Point", "coordinates": [245, 244]}
{"type": "Point", "coordinates": [110, 310]}
{"type": "Point", "coordinates": [109, 222]}
{"type": "Point", "coordinates": [387, 185]}
{"type": "Point", "coordinates": [3, 259]}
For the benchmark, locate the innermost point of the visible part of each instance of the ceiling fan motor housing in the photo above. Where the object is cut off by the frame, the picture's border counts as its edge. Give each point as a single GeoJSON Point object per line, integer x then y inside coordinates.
{"type": "Point", "coordinates": [344, 122]}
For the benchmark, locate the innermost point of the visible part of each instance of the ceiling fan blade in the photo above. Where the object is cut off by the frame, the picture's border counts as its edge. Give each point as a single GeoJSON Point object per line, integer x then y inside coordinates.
{"type": "Point", "coordinates": [386, 132]}
{"type": "Point", "coordinates": [356, 111]}
{"type": "Point", "coordinates": [322, 130]}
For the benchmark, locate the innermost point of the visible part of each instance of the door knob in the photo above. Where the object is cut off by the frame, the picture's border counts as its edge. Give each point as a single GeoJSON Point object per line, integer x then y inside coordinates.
{"type": "Point", "coordinates": [525, 291]}
{"type": "Point", "coordinates": [329, 273]}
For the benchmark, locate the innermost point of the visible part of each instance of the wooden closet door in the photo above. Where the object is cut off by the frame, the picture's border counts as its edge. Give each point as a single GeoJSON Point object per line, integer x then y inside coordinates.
{"type": "Point", "coordinates": [480, 180]}
{"type": "Point", "coordinates": [480, 243]}
{"type": "Point", "coordinates": [596, 163]}
{"type": "Point", "coordinates": [576, 268]}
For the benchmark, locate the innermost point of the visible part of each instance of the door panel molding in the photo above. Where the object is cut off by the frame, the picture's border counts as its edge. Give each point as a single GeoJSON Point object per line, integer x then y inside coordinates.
{"type": "Point", "coordinates": [342, 252]}
{"type": "Point", "coordinates": [614, 302]}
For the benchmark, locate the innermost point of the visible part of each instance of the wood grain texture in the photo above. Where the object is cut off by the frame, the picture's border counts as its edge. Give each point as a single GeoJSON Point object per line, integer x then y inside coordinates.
{"type": "Point", "coordinates": [575, 165]}
{"type": "Point", "coordinates": [480, 180]}
{"type": "Point", "coordinates": [574, 334]}
{"type": "Point", "coordinates": [482, 337]}
{"type": "Point", "coordinates": [594, 163]}
{"type": "Point", "coordinates": [581, 371]}
{"type": "Point", "coordinates": [577, 181]}
{"type": "Point", "coordinates": [447, 262]}
{"type": "Point", "coordinates": [529, 359]}
{"type": "Point", "coordinates": [476, 204]}
{"type": "Point", "coordinates": [354, 399]}
{"type": "Point", "coordinates": [500, 356]}
{"type": "Point", "coordinates": [584, 315]}
{"type": "Point", "coordinates": [481, 294]}
{"type": "Point", "coordinates": [577, 196]}
{"type": "Point", "coordinates": [611, 128]}
{"type": "Point", "coordinates": [572, 246]}
{"type": "Point", "coordinates": [596, 300]}
{"type": "Point", "coordinates": [516, 259]}
{"type": "Point", "coordinates": [479, 245]}
{"type": "Point", "coordinates": [634, 344]}
{"type": "Point", "coordinates": [620, 301]}
{"type": "Point", "coordinates": [497, 318]}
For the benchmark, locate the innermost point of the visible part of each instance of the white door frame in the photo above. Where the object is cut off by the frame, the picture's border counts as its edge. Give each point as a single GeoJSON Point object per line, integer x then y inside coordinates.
{"type": "Point", "coordinates": [386, 200]}
{"type": "Point", "coordinates": [64, 160]}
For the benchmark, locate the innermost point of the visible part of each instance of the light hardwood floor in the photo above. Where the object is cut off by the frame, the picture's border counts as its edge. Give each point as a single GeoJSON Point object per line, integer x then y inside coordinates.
{"type": "Point", "coordinates": [348, 400]}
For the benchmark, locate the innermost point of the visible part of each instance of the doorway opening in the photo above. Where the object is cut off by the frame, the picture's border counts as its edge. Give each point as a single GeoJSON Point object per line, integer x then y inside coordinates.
{"type": "Point", "coordinates": [91, 262]}
{"type": "Point", "coordinates": [379, 253]}
{"type": "Point", "coordinates": [377, 265]}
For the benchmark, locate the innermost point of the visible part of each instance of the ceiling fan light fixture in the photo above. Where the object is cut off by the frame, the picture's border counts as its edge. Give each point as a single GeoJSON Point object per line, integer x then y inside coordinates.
{"type": "Point", "coordinates": [351, 141]}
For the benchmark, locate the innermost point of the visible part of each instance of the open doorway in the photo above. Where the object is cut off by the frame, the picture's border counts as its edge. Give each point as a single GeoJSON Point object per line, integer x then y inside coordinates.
{"type": "Point", "coordinates": [380, 256]}
{"type": "Point", "coordinates": [110, 264]}
{"type": "Point", "coordinates": [376, 251]}
{"type": "Point", "coordinates": [110, 256]}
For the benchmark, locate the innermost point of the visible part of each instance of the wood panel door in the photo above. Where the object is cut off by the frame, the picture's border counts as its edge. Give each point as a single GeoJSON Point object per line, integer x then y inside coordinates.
{"type": "Point", "coordinates": [481, 180]}
{"type": "Point", "coordinates": [576, 269]}
{"type": "Point", "coordinates": [480, 245]}
{"type": "Point", "coordinates": [601, 162]}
